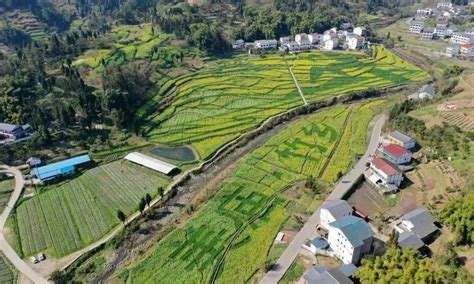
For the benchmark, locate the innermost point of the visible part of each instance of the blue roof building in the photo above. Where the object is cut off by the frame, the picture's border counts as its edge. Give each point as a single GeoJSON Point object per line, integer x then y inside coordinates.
{"type": "Point", "coordinates": [62, 168]}
{"type": "Point", "coordinates": [350, 237]}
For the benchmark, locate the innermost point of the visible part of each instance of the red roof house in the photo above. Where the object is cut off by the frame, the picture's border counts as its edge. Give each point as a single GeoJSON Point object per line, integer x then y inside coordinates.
{"type": "Point", "coordinates": [385, 166]}
{"type": "Point", "coordinates": [396, 154]}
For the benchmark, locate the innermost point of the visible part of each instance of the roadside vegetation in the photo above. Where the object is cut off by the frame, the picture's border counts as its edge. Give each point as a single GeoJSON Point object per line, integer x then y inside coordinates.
{"type": "Point", "coordinates": [8, 273]}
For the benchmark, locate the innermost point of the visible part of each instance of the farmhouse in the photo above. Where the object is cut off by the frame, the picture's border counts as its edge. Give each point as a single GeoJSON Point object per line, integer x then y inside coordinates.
{"type": "Point", "coordinates": [385, 175]}
{"type": "Point", "coordinates": [360, 31]}
{"type": "Point", "coordinates": [396, 154]}
{"type": "Point", "coordinates": [63, 168]}
{"type": "Point", "coordinates": [427, 34]}
{"type": "Point", "coordinates": [467, 50]}
{"type": "Point", "coordinates": [444, 5]}
{"type": "Point", "coordinates": [416, 27]}
{"type": "Point", "coordinates": [14, 131]}
{"type": "Point", "coordinates": [266, 43]}
{"type": "Point", "coordinates": [399, 138]}
{"type": "Point", "coordinates": [292, 46]}
{"type": "Point", "coordinates": [355, 42]}
{"type": "Point", "coordinates": [350, 238]}
{"type": "Point", "coordinates": [284, 40]}
{"type": "Point", "coordinates": [238, 44]}
{"type": "Point", "coordinates": [462, 38]}
{"type": "Point", "coordinates": [423, 13]}
{"type": "Point", "coordinates": [409, 240]}
{"type": "Point", "coordinates": [330, 44]}
{"type": "Point", "coordinates": [452, 50]}
{"type": "Point", "coordinates": [152, 163]}
{"type": "Point", "coordinates": [440, 32]}
{"type": "Point", "coordinates": [322, 274]}
{"type": "Point", "coordinates": [34, 162]}
{"type": "Point", "coordinates": [314, 38]}
{"type": "Point", "coordinates": [303, 41]}
{"type": "Point", "coordinates": [333, 210]}
{"type": "Point", "coordinates": [419, 222]}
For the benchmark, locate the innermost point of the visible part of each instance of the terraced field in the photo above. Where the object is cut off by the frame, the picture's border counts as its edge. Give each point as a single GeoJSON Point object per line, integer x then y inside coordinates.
{"type": "Point", "coordinates": [63, 219]}
{"type": "Point", "coordinates": [231, 236]}
{"type": "Point", "coordinates": [460, 119]}
{"type": "Point", "coordinates": [220, 103]}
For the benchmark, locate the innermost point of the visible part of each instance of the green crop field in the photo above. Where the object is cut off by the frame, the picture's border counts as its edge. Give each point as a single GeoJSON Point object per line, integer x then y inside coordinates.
{"type": "Point", "coordinates": [248, 210]}
{"type": "Point", "coordinates": [63, 219]}
{"type": "Point", "coordinates": [8, 273]}
{"type": "Point", "coordinates": [6, 188]}
{"type": "Point", "coordinates": [215, 105]}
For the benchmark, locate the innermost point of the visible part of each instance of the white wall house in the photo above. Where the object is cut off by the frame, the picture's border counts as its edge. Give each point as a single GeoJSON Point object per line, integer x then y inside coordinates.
{"type": "Point", "coordinates": [419, 222]}
{"type": "Point", "coordinates": [399, 138]}
{"type": "Point", "coordinates": [333, 210]}
{"type": "Point", "coordinates": [396, 154]}
{"type": "Point", "coordinates": [314, 38]}
{"type": "Point", "coordinates": [284, 40]}
{"type": "Point", "coordinates": [385, 175]}
{"type": "Point", "coordinates": [266, 43]}
{"type": "Point", "coordinates": [303, 41]}
{"type": "Point", "coordinates": [444, 5]}
{"type": "Point", "coordinates": [355, 42]}
{"type": "Point", "coordinates": [424, 13]}
{"type": "Point", "coordinates": [427, 34]}
{"type": "Point", "coordinates": [350, 238]}
{"type": "Point", "coordinates": [467, 50]}
{"type": "Point", "coordinates": [416, 27]}
{"type": "Point", "coordinates": [360, 31]}
{"type": "Point", "coordinates": [452, 50]}
{"type": "Point", "coordinates": [330, 44]}
{"type": "Point", "coordinates": [440, 32]}
{"type": "Point", "coordinates": [292, 46]}
{"type": "Point", "coordinates": [462, 38]}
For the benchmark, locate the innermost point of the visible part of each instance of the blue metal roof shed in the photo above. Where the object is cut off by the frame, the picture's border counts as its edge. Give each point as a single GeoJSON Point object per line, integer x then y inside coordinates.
{"type": "Point", "coordinates": [65, 167]}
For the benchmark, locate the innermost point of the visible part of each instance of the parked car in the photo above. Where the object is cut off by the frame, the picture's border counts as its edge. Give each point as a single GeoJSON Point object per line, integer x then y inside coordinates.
{"type": "Point", "coordinates": [41, 256]}
{"type": "Point", "coordinates": [34, 259]}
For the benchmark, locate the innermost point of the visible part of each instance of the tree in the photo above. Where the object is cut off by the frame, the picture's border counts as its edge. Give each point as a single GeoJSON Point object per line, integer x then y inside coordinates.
{"type": "Point", "coordinates": [393, 239]}
{"type": "Point", "coordinates": [148, 199]}
{"type": "Point", "coordinates": [58, 277]}
{"type": "Point", "coordinates": [121, 216]}
{"type": "Point", "coordinates": [141, 205]}
{"type": "Point", "coordinates": [161, 192]}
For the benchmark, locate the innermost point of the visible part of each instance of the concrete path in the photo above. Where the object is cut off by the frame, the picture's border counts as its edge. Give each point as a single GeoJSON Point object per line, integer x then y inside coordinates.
{"type": "Point", "coordinates": [5, 247]}
{"type": "Point", "coordinates": [309, 228]}
{"type": "Point", "coordinates": [297, 85]}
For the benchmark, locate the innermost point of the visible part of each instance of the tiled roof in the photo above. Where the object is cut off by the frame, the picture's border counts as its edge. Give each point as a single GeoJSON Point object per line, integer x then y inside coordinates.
{"type": "Point", "coordinates": [422, 221]}
{"type": "Point", "coordinates": [410, 240]}
{"type": "Point", "coordinates": [355, 229]}
{"type": "Point", "coordinates": [385, 166]}
{"type": "Point", "coordinates": [401, 136]}
{"type": "Point", "coordinates": [337, 208]}
{"type": "Point", "coordinates": [395, 150]}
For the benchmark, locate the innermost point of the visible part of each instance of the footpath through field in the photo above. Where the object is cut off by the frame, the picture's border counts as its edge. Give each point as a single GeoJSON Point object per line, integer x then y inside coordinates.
{"type": "Point", "coordinates": [297, 84]}
{"type": "Point", "coordinates": [5, 247]}
{"type": "Point", "coordinates": [289, 255]}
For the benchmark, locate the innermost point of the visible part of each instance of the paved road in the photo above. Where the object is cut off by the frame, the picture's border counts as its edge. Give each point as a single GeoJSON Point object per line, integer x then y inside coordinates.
{"type": "Point", "coordinates": [308, 230]}
{"type": "Point", "coordinates": [5, 247]}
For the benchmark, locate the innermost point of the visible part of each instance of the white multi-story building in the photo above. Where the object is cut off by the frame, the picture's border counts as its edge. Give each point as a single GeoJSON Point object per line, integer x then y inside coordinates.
{"type": "Point", "coordinates": [333, 210]}
{"type": "Point", "coordinates": [350, 238]}
{"type": "Point", "coordinates": [462, 38]}
{"type": "Point", "coordinates": [423, 13]}
{"type": "Point", "coordinates": [284, 40]}
{"type": "Point", "coordinates": [416, 27]}
{"type": "Point", "coordinates": [385, 175]}
{"type": "Point", "coordinates": [292, 46]}
{"type": "Point", "coordinates": [330, 44]}
{"type": "Point", "coordinates": [396, 154]}
{"type": "Point", "coordinates": [314, 38]}
{"type": "Point", "coordinates": [355, 42]}
{"type": "Point", "coordinates": [303, 41]}
{"type": "Point", "coordinates": [444, 5]}
{"type": "Point", "coordinates": [359, 31]}
{"type": "Point", "coordinates": [467, 50]}
{"type": "Point", "coordinates": [452, 50]}
{"type": "Point", "coordinates": [266, 43]}
{"type": "Point", "coordinates": [440, 32]}
{"type": "Point", "coordinates": [427, 34]}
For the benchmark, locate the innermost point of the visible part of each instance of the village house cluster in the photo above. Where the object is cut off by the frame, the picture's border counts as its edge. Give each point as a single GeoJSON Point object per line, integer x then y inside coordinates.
{"type": "Point", "coordinates": [346, 38]}
{"type": "Point", "coordinates": [461, 42]}
{"type": "Point", "coordinates": [12, 133]}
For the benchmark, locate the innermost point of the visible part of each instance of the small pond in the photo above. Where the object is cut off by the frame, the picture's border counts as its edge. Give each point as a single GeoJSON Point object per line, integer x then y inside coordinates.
{"type": "Point", "coordinates": [182, 154]}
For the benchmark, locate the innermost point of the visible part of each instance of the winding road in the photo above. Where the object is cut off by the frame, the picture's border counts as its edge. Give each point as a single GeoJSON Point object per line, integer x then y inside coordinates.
{"type": "Point", "coordinates": [289, 255]}
{"type": "Point", "coordinates": [5, 247]}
